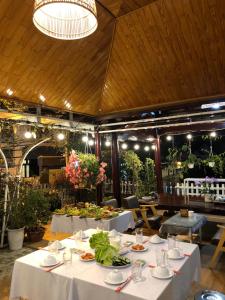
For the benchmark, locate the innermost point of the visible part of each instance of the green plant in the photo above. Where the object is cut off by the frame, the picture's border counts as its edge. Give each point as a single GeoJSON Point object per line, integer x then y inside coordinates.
{"type": "Point", "coordinates": [149, 175]}
{"type": "Point", "coordinates": [217, 168]}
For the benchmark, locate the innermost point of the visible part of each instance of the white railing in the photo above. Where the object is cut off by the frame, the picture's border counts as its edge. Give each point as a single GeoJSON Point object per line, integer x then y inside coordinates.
{"type": "Point", "coordinates": [127, 187]}
{"type": "Point", "coordinates": [189, 187]}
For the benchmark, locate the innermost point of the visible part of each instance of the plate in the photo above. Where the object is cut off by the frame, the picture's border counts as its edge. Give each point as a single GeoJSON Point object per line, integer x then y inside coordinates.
{"type": "Point", "coordinates": [115, 283]}
{"type": "Point", "coordinates": [177, 258]}
{"type": "Point", "coordinates": [115, 267]}
{"type": "Point", "coordinates": [145, 249]}
{"type": "Point", "coordinates": [87, 260]}
{"type": "Point", "coordinates": [50, 265]}
{"type": "Point", "coordinates": [160, 242]}
{"type": "Point", "coordinates": [162, 277]}
{"type": "Point", "coordinates": [124, 251]}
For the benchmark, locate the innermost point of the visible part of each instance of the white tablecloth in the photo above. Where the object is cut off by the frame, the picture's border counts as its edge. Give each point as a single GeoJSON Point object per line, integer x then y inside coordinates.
{"type": "Point", "coordinates": [69, 224]}
{"type": "Point", "coordinates": [85, 280]}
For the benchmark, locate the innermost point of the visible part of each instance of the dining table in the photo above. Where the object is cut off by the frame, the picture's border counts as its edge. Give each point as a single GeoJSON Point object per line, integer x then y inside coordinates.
{"type": "Point", "coordinates": [69, 224]}
{"type": "Point", "coordinates": [79, 280]}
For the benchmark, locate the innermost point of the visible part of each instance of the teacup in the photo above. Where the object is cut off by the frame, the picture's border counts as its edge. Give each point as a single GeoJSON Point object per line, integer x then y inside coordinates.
{"type": "Point", "coordinates": [155, 239]}
{"type": "Point", "coordinates": [161, 271]}
{"type": "Point", "coordinates": [49, 260]}
{"type": "Point", "coordinates": [190, 213]}
{"type": "Point", "coordinates": [114, 276]}
{"type": "Point", "coordinates": [174, 253]}
{"type": "Point", "coordinates": [59, 245]}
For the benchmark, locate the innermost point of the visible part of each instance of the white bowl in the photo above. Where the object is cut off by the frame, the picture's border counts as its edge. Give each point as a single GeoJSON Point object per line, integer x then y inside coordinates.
{"type": "Point", "coordinates": [190, 213]}
{"type": "Point", "coordinates": [162, 271]}
{"type": "Point", "coordinates": [114, 276]}
{"type": "Point", "coordinates": [155, 239]}
{"type": "Point", "coordinates": [174, 253]}
{"type": "Point", "coordinates": [49, 260]}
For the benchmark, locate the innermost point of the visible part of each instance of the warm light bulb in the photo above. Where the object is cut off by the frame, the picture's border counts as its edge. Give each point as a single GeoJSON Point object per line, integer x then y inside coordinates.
{"type": "Point", "coordinates": [107, 143]}
{"type": "Point", "coordinates": [189, 136]}
{"type": "Point", "coordinates": [85, 139]}
{"type": "Point", "coordinates": [28, 135]}
{"type": "Point", "coordinates": [146, 148]}
{"type": "Point", "coordinates": [91, 142]}
{"type": "Point", "coordinates": [9, 92]}
{"type": "Point", "coordinates": [124, 146]}
{"type": "Point", "coordinates": [150, 139]}
{"type": "Point", "coordinates": [136, 147]}
{"type": "Point", "coordinates": [169, 138]}
{"type": "Point", "coordinates": [213, 134]}
{"type": "Point", "coordinates": [42, 98]}
{"type": "Point", "coordinates": [61, 136]}
{"type": "Point", "coordinates": [153, 147]}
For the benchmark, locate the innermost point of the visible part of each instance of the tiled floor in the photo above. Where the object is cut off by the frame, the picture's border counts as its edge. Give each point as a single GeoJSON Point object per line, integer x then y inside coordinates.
{"type": "Point", "coordinates": [210, 279]}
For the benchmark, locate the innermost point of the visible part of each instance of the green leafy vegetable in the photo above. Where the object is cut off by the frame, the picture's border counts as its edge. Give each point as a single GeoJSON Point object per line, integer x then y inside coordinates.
{"type": "Point", "coordinates": [99, 239]}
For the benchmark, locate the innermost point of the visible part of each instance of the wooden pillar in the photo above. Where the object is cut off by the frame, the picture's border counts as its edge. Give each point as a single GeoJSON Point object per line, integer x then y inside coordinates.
{"type": "Point", "coordinates": [98, 154]}
{"type": "Point", "coordinates": [158, 167]}
{"type": "Point", "coordinates": [115, 168]}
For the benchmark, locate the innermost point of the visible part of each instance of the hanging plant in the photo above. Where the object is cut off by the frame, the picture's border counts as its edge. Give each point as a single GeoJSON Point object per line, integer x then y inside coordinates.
{"type": "Point", "coordinates": [84, 170]}
{"type": "Point", "coordinates": [12, 105]}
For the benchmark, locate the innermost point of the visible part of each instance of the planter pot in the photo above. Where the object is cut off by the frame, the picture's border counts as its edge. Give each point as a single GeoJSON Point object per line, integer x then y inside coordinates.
{"type": "Point", "coordinates": [35, 235]}
{"type": "Point", "coordinates": [208, 198]}
{"type": "Point", "coordinates": [211, 164]}
{"type": "Point", "coordinates": [191, 166]}
{"type": "Point", "coordinates": [15, 238]}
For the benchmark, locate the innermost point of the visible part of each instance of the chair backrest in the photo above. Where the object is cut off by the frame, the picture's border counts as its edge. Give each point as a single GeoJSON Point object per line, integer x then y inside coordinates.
{"type": "Point", "coordinates": [111, 202]}
{"type": "Point", "coordinates": [130, 202]}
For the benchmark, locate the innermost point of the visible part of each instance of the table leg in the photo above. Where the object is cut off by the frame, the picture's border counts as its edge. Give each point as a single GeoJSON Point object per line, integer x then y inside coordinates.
{"type": "Point", "coordinates": [190, 235]}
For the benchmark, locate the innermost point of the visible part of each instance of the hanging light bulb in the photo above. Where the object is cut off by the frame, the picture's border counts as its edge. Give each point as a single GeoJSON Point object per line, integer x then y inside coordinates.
{"type": "Point", "coordinates": [85, 138]}
{"type": "Point", "coordinates": [153, 147]}
{"type": "Point", "coordinates": [107, 143]}
{"type": "Point", "coordinates": [61, 136]}
{"type": "Point", "coordinates": [189, 136]}
{"type": "Point", "coordinates": [213, 134]}
{"type": "Point", "coordinates": [146, 148]}
{"type": "Point", "coordinates": [91, 142]}
{"type": "Point", "coordinates": [28, 134]}
{"type": "Point", "coordinates": [65, 19]}
{"type": "Point", "coordinates": [169, 138]}
{"type": "Point", "coordinates": [124, 146]}
{"type": "Point", "coordinates": [136, 147]}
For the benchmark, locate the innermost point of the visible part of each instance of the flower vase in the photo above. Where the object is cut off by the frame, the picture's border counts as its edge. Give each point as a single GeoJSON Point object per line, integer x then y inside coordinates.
{"type": "Point", "coordinates": [208, 198]}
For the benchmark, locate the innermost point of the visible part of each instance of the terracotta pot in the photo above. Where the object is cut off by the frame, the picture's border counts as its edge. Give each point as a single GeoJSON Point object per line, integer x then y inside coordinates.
{"type": "Point", "coordinates": [35, 236]}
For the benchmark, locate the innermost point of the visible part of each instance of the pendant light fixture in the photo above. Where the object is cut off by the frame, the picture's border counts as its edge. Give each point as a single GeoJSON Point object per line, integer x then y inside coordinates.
{"type": "Point", "coordinates": [65, 19]}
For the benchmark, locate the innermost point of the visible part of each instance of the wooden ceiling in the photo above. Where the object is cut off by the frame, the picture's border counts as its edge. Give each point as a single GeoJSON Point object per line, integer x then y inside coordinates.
{"type": "Point", "coordinates": [145, 53]}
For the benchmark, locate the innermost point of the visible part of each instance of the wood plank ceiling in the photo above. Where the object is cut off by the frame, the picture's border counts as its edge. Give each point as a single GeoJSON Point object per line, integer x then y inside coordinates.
{"type": "Point", "coordinates": [145, 53]}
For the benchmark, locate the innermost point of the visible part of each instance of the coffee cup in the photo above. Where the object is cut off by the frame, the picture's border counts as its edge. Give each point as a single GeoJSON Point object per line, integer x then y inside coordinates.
{"type": "Point", "coordinates": [155, 239]}
{"type": "Point", "coordinates": [114, 276]}
{"type": "Point", "coordinates": [174, 253]}
{"type": "Point", "coordinates": [161, 271]}
{"type": "Point", "coordinates": [49, 260]}
{"type": "Point", "coordinates": [190, 213]}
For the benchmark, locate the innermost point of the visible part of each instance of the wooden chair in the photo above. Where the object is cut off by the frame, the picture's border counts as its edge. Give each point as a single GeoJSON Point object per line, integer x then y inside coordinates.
{"type": "Point", "coordinates": [220, 247]}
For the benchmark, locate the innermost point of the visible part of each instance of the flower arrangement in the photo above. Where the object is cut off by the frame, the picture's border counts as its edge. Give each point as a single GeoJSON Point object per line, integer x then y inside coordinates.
{"type": "Point", "coordinates": [84, 170]}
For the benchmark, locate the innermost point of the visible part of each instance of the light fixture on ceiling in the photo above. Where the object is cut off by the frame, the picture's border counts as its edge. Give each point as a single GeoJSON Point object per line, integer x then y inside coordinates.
{"type": "Point", "coordinates": [124, 146]}
{"type": "Point", "coordinates": [146, 148]}
{"type": "Point", "coordinates": [150, 139]}
{"type": "Point", "coordinates": [42, 98]}
{"type": "Point", "coordinates": [136, 147]}
{"type": "Point", "coordinates": [213, 134]}
{"type": "Point", "coordinates": [9, 92]}
{"type": "Point", "coordinates": [153, 147]}
{"type": "Point", "coordinates": [215, 105]}
{"type": "Point", "coordinates": [28, 134]}
{"type": "Point", "coordinates": [65, 19]}
{"type": "Point", "coordinates": [189, 136]}
{"type": "Point", "coordinates": [169, 138]}
{"type": "Point", "coordinates": [107, 143]}
{"type": "Point", "coordinates": [61, 136]}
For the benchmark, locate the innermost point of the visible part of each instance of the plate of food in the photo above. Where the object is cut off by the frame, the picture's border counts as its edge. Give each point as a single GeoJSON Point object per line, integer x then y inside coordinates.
{"type": "Point", "coordinates": [138, 248]}
{"type": "Point", "coordinates": [87, 256]}
{"type": "Point", "coordinates": [118, 262]}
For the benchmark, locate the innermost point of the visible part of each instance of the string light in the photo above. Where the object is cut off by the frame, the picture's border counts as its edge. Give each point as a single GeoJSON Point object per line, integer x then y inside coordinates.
{"type": "Point", "coordinates": [213, 134]}
{"type": "Point", "coordinates": [136, 147]}
{"type": "Point", "coordinates": [9, 92]}
{"type": "Point", "coordinates": [28, 134]}
{"type": "Point", "coordinates": [85, 138]}
{"type": "Point", "coordinates": [91, 142]}
{"type": "Point", "coordinates": [189, 136]}
{"type": "Point", "coordinates": [107, 143]}
{"type": "Point", "coordinates": [42, 98]}
{"type": "Point", "coordinates": [169, 138]}
{"type": "Point", "coordinates": [61, 136]}
{"type": "Point", "coordinates": [146, 148]}
{"type": "Point", "coordinates": [124, 146]}
{"type": "Point", "coordinates": [150, 139]}
{"type": "Point", "coordinates": [153, 147]}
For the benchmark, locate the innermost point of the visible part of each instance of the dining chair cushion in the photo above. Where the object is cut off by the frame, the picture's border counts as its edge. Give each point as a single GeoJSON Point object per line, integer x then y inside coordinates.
{"type": "Point", "coordinates": [111, 202]}
{"type": "Point", "coordinates": [131, 202]}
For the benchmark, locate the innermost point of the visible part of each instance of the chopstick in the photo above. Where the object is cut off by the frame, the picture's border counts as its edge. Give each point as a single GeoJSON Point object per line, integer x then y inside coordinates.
{"type": "Point", "coordinates": [119, 288]}
{"type": "Point", "coordinates": [45, 249]}
{"type": "Point", "coordinates": [185, 254]}
{"type": "Point", "coordinates": [145, 241]}
{"type": "Point", "coordinates": [174, 271]}
{"type": "Point", "coordinates": [52, 268]}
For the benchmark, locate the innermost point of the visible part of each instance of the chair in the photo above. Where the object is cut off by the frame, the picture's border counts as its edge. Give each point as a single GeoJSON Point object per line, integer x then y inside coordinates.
{"type": "Point", "coordinates": [142, 212]}
{"type": "Point", "coordinates": [111, 202]}
{"type": "Point", "coordinates": [209, 295]}
{"type": "Point", "coordinates": [220, 247]}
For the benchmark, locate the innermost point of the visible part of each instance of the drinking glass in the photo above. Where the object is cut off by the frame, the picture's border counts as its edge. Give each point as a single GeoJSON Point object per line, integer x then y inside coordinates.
{"type": "Point", "coordinates": [136, 271]}
{"type": "Point", "coordinates": [171, 241]}
{"type": "Point", "coordinates": [67, 256]}
{"type": "Point", "coordinates": [139, 235]}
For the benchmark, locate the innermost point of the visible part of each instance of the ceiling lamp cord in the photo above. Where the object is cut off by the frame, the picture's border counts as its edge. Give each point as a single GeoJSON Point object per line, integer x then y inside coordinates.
{"type": "Point", "coordinates": [65, 19]}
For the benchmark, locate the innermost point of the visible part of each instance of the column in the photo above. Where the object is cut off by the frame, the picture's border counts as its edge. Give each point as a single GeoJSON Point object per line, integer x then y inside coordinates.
{"type": "Point", "coordinates": [116, 168]}
{"type": "Point", "coordinates": [98, 154]}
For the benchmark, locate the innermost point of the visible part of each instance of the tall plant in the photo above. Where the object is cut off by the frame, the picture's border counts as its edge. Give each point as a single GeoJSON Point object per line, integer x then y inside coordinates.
{"type": "Point", "coordinates": [150, 180]}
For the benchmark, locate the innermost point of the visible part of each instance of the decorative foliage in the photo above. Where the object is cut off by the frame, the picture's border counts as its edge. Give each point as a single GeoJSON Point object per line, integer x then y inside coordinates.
{"type": "Point", "coordinates": [206, 185]}
{"type": "Point", "coordinates": [84, 170]}
{"type": "Point", "coordinates": [12, 105]}
{"type": "Point", "coordinates": [150, 180]}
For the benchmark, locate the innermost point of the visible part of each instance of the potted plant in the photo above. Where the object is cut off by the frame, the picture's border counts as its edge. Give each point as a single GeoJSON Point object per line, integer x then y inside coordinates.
{"type": "Point", "coordinates": [206, 188]}
{"type": "Point", "coordinates": [37, 213]}
{"type": "Point", "coordinates": [191, 160]}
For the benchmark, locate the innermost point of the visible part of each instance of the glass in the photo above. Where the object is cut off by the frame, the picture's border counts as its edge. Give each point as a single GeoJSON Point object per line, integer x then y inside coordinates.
{"type": "Point", "coordinates": [53, 247]}
{"type": "Point", "coordinates": [115, 241]}
{"type": "Point", "coordinates": [136, 271]}
{"type": "Point", "coordinates": [171, 241]}
{"type": "Point", "coordinates": [139, 235]}
{"type": "Point", "coordinates": [161, 258]}
{"type": "Point", "coordinates": [67, 256]}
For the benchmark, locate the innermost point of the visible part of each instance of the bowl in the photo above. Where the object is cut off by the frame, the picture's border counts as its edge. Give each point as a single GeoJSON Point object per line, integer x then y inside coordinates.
{"type": "Point", "coordinates": [114, 276]}
{"type": "Point", "coordinates": [174, 253]}
{"type": "Point", "coordinates": [155, 239]}
{"type": "Point", "coordinates": [162, 271]}
{"type": "Point", "coordinates": [49, 260]}
{"type": "Point", "coordinates": [190, 213]}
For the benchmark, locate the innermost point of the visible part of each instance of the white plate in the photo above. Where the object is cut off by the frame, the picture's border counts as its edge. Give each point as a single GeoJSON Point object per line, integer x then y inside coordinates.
{"type": "Point", "coordinates": [115, 283]}
{"type": "Point", "coordinates": [171, 274]}
{"type": "Point", "coordinates": [176, 258]}
{"type": "Point", "coordinates": [145, 249]}
{"type": "Point", "coordinates": [124, 251]}
{"type": "Point", "coordinates": [115, 267]}
{"type": "Point", "coordinates": [87, 260]}
{"type": "Point", "coordinates": [50, 265]}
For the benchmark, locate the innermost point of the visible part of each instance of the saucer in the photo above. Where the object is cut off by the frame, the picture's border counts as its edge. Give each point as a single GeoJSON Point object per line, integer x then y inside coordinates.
{"type": "Point", "coordinates": [87, 260]}
{"type": "Point", "coordinates": [176, 258]}
{"type": "Point", "coordinates": [170, 275]}
{"type": "Point", "coordinates": [143, 250]}
{"type": "Point", "coordinates": [115, 282]}
{"type": "Point", "coordinates": [49, 265]}
{"type": "Point", "coordinates": [158, 242]}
